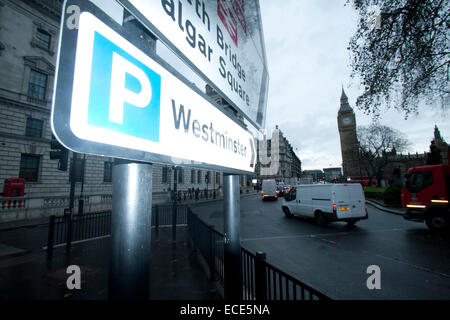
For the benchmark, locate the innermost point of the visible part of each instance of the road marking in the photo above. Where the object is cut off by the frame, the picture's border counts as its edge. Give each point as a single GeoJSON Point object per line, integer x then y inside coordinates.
{"type": "Point", "coordinates": [413, 266]}
{"type": "Point", "coordinates": [323, 234]}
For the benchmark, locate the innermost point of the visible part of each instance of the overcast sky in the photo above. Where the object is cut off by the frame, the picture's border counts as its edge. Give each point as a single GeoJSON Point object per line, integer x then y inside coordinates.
{"type": "Point", "coordinates": [306, 46]}
{"type": "Point", "coordinates": [308, 61]}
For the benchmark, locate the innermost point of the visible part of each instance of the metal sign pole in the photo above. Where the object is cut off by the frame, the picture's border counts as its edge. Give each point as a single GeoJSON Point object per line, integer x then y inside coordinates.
{"type": "Point", "coordinates": [174, 204]}
{"type": "Point", "coordinates": [130, 231]}
{"type": "Point", "coordinates": [232, 241]}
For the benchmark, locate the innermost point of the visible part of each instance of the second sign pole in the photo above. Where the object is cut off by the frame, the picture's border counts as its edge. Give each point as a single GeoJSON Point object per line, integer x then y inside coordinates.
{"type": "Point", "coordinates": [232, 238]}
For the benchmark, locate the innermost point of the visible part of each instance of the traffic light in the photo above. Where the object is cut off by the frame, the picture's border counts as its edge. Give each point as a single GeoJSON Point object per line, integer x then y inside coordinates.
{"type": "Point", "coordinates": [59, 152]}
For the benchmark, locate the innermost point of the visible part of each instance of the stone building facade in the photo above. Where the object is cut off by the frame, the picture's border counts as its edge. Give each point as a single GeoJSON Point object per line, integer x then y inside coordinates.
{"type": "Point", "coordinates": [28, 47]}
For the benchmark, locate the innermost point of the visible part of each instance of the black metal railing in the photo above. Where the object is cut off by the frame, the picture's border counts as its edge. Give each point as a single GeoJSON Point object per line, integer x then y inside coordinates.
{"type": "Point", "coordinates": [260, 279]}
{"type": "Point", "coordinates": [210, 244]}
{"type": "Point", "coordinates": [68, 229]}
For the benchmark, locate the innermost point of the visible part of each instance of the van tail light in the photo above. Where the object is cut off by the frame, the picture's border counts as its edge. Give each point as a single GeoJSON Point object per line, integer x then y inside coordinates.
{"type": "Point", "coordinates": [334, 208]}
{"type": "Point", "coordinates": [365, 207]}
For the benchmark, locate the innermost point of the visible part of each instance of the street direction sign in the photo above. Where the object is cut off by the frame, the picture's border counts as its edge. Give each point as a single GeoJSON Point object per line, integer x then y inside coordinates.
{"type": "Point", "coordinates": [112, 99]}
{"type": "Point", "coordinates": [222, 40]}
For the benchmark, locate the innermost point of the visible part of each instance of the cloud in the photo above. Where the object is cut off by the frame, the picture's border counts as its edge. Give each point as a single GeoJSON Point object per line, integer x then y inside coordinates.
{"type": "Point", "coordinates": [308, 61]}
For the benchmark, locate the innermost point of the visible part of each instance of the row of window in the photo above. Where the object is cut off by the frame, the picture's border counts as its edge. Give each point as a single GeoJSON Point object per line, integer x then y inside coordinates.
{"type": "Point", "coordinates": [29, 170]}
{"type": "Point", "coordinates": [37, 85]}
{"type": "Point", "coordinates": [43, 39]}
{"type": "Point", "coordinates": [196, 176]}
{"type": "Point", "coordinates": [38, 81]}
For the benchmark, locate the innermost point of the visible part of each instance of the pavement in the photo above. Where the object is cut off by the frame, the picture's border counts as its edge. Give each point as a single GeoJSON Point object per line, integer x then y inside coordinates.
{"type": "Point", "coordinates": [381, 206]}
{"type": "Point", "coordinates": [175, 271]}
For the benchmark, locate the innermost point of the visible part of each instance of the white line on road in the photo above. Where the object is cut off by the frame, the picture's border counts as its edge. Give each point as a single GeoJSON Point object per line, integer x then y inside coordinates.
{"type": "Point", "coordinates": [323, 234]}
{"type": "Point", "coordinates": [413, 266]}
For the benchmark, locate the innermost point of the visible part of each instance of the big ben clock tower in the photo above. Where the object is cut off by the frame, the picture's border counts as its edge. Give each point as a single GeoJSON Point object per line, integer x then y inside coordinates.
{"type": "Point", "coordinates": [349, 142]}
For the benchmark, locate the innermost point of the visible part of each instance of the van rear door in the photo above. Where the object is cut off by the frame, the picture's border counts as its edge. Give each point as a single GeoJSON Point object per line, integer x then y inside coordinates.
{"type": "Point", "coordinates": [341, 198]}
{"type": "Point", "coordinates": [357, 200]}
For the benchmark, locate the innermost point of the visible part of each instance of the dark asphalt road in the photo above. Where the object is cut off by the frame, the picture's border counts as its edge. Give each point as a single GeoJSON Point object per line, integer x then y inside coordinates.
{"type": "Point", "coordinates": [334, 259]}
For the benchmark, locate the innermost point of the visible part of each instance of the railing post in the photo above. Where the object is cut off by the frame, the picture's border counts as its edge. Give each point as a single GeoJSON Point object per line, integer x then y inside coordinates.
{"type": "Point", "coordinates": [156, 218]}
{"type": "Point", "coordinates": [212, 258]}
{"type": "Point", "coordinates": [174, 221]}
{"type": "Point", "coordinates": [260, 276]}
{"type": "Point", "coordinates": [69, 230]}
{"type": "Point", "coordinates": [51, 236]}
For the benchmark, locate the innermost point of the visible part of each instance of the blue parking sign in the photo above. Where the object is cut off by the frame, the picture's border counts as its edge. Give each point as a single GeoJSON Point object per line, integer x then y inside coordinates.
{"type": "Point", "coordinates": [113, 98]}
{"type": "Point", "coordinates": [124, 94]}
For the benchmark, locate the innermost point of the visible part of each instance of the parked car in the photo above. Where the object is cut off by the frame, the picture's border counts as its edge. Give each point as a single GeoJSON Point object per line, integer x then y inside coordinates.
{"type": "Point", "coordinates": [269, 189]}
{"type": "Point", "coordinates": [327, 202]}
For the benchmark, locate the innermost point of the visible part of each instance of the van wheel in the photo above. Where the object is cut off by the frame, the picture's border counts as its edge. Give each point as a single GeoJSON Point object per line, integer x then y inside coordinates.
{"type": "Point", "coordinates": [320, 219]}
{"type": "Point", "coordinates": [287, 212]}
{"type": "Point", "coordinates": [351, 223]}
{"type": "Point", "coordinates": [437, 222]}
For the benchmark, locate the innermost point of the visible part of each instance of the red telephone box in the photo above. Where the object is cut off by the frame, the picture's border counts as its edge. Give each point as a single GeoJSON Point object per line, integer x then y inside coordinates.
{"type": "Point", "coordinates": [14, 187]}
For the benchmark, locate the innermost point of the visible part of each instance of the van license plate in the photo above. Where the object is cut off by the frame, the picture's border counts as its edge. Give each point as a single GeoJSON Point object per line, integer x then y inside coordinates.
{"type": "Point", "coordinates": [344, 209]}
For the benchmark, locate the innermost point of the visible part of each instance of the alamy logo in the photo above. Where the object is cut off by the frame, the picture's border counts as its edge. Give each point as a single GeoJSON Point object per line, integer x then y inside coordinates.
{"type": "Point", "coordinates": [373, 20]}
{"type": "Point", "coordinates": [374, 280]}
{"type": "Point", "coordinates": [124, 94]}
{"type": "Point", "coordinates": [74, 280]}
{"type": "Point", "coordinates": [269, 155]}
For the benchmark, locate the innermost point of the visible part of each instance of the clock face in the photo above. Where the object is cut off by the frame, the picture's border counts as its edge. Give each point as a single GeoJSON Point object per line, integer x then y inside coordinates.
{"type": "Point", "coordinates": [346, 120]}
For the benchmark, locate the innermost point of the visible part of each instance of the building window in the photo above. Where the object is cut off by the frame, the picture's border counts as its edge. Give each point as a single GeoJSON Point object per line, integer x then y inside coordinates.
{"type": "Point", "coordinates": [165, 175]}
{"type": "Point", "coordinates": [218, 177]}
{"type": "Point", "coordinates": [180, 173]}
{"type": "Point", "coordinates": [192, 176]}
{"type": "Point", "coordinates": [34, 128]}
{"type": "Point", "coordinates": [37, 85]}
{"type": "Point", "coordinates": [199, 176]}
{"type": "Point", "coordinates": [107, 171]}
{"type": "Point", "coordinates": [29, 167]}
{"type": "Point", "coordinates": [43, 39]}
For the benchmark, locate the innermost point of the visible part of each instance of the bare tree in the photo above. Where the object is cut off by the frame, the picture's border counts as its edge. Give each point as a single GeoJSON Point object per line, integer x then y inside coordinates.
{"type": "Point", "coordinates": [404, 57]}
{"type": "Point", "coordinates": [376, 142]}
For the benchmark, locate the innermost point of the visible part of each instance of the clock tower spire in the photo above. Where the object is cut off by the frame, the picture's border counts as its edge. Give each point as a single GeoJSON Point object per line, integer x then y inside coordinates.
{"type": "Point", "coordinates": [349, 143]}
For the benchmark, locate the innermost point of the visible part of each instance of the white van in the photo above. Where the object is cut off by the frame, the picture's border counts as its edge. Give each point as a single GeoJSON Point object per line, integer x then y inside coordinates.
{"type": "Point", "coordinates": [327, 202]}
{"type": "Point", "coordinates": [269, 189]}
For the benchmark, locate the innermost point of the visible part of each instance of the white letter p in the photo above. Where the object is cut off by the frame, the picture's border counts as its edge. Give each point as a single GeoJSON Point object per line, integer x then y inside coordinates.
{"type": "Point", "coordinates": [119, 94]}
